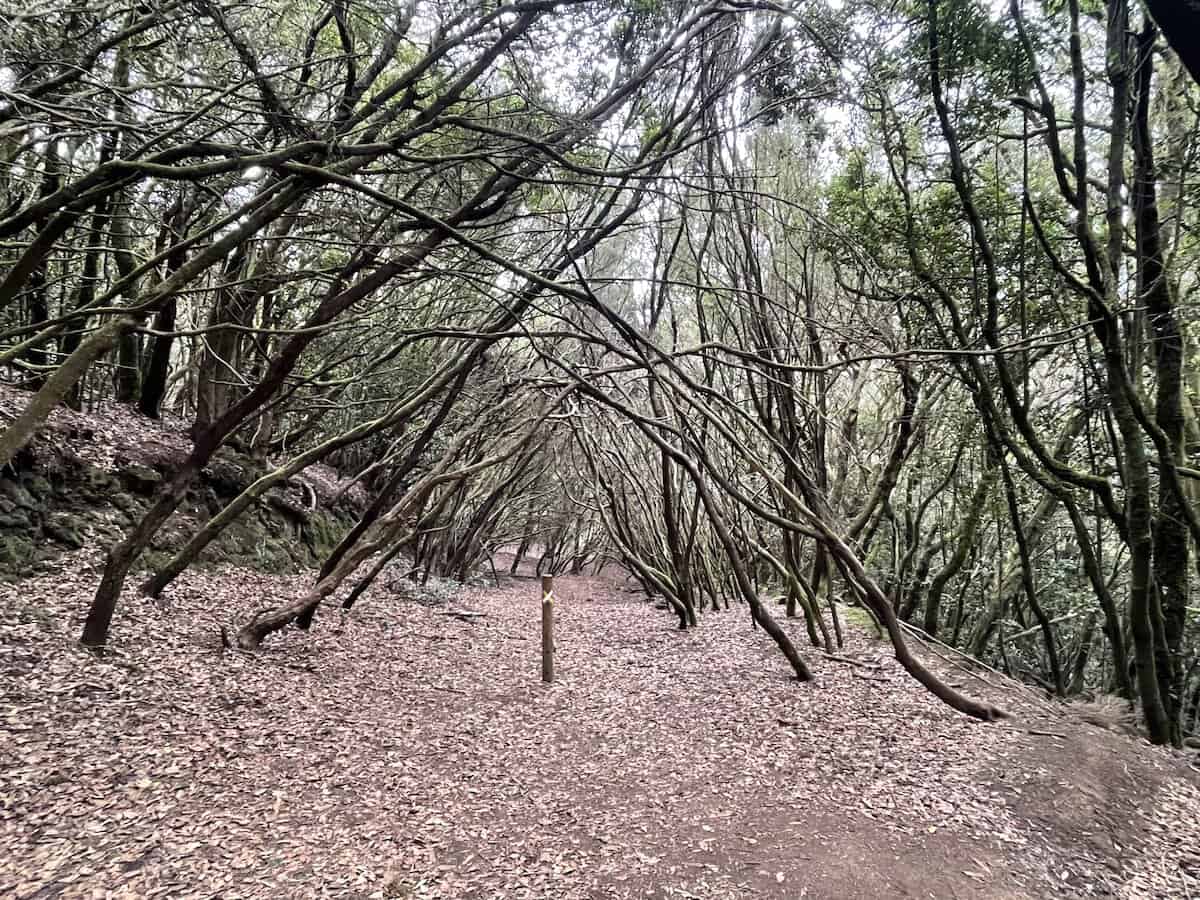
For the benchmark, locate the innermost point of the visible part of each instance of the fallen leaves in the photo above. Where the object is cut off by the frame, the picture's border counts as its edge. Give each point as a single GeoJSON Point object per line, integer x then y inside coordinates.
{"type": "Point", "coordinates": [397, 752]}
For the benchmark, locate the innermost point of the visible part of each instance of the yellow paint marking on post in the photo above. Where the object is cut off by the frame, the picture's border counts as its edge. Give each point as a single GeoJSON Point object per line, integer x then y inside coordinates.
{"type": "Point", "coordinates": [547, 628]}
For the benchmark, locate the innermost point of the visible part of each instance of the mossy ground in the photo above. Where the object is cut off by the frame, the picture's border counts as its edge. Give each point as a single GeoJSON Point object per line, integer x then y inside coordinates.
{"type": "Point", "coordinates": [51, 504]}
{"type": "Point", "coordinates": [859, 617]}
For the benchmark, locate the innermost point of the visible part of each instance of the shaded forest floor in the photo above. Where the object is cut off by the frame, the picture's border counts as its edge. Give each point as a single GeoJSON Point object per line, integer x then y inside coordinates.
{"type": "Point", "coordinates": [400, 752]}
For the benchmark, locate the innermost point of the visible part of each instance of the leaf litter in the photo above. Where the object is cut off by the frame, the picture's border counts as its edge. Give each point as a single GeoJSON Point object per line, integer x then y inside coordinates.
{"type": "Point", "coordinates": [398, 752]}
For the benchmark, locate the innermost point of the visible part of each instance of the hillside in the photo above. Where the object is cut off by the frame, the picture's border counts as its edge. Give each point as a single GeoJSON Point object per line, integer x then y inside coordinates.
{"type": "Point", "coordinates": [85, 478]}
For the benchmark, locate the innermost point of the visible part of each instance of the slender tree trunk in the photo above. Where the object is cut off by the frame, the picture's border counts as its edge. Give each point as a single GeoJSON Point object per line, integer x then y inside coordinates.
{"type": "Point", "coordinates": [1047, 629]}
{"type": "Point", "coordinates": [404, 468]}
{"type": "Point", "coordinates": [1082, 655]}
{"type": "Point", "coordinates": [158, 364]}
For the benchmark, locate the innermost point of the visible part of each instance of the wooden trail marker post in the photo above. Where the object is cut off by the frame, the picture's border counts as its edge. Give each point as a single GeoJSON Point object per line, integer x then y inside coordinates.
{"type": "Point", "coordinates": [547, 628]}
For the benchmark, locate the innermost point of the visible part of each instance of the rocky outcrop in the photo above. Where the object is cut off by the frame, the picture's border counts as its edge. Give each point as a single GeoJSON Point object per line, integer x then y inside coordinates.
{"type": "Point", "coordinates": [70, 489]}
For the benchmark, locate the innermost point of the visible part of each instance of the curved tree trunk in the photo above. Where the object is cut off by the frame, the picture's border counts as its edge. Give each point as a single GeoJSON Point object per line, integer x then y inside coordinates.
{"type": "Point", "coordinates": [879, 605]}
{"type": "Point", "coordinates": [60, 383]}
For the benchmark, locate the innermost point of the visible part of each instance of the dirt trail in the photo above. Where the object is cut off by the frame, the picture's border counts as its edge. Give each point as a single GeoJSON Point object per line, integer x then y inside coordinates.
{"type": "Point", "coordinates": [400, 752]}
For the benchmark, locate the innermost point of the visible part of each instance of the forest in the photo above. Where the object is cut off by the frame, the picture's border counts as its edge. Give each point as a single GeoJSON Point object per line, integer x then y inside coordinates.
{"type": "Point", "coordinates": [821, 323]}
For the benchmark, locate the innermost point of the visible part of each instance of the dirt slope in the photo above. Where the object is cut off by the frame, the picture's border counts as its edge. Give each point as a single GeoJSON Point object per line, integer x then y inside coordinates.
{"type": "Point", "coordinates": [87, 478]}
{"type": "Point", "coordinates": [400, 752]}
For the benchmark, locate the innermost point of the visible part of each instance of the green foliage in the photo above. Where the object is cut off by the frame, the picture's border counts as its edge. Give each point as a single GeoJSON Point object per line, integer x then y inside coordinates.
{"type": "Point", "coordinates": [859, 618]}
{"type": "Point", "coordinates": [863, 202]}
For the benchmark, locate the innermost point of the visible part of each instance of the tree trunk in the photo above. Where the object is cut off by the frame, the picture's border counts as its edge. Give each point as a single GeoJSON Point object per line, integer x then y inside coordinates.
{"type": "Point", "coordinates": [1171, 540]}
{"type": "Point", "coordinates": [158, 364]}
{"type": "Point", "coordinates": [60, 383]}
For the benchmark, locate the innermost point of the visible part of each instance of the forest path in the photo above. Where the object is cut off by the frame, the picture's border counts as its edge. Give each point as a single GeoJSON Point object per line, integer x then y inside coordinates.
{"type": "Point", "coordinates": [400, 752]}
